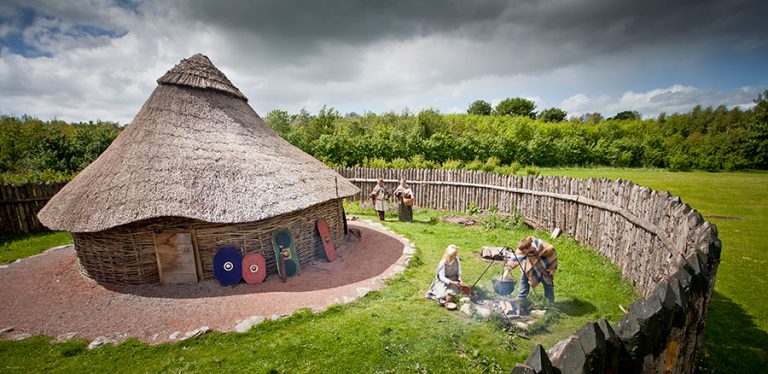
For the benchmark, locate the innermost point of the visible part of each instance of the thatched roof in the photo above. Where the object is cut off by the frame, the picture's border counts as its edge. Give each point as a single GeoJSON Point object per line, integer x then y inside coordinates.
{"type": "Point", "coordinates": [196, 149]}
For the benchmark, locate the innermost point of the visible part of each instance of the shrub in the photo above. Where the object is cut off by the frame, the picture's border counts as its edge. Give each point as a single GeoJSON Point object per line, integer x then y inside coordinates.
{"type": "Point", "coordinates": [399, 163]}
{"type": "Point", "coordinates": [378, 163]}
{"type": "Point", "coordinates": [679, 162]}
{"type": "Point", "coordinates": [491, 164]}
{"type": "Point", "coordinates": [472, 209]}
{"type": "Point", "coordinates": [474, 165]}
{"type": "Point", "coordinates": [514, 221]}
{"type": "Point", "coordinates": [451, 164]}
{"type": "Point", "coordinates": [532, 170]}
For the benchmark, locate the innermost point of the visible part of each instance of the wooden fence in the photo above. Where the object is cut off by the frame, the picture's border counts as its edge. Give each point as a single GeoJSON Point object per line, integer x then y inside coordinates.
{"type": "Point", "coordinates": [662, 245]}
{"type": "Point", "coordinates": [19, 206]}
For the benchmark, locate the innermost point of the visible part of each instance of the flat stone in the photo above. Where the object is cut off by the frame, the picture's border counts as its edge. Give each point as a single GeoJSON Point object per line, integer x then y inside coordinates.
{"type": "Point", "coordinates": [483, 311]}
{"type": "Point", "coordinates": [194, 334]}
{"type": "Point", "coordinates": [21, 336]}
{"type": "Point", "coordinates": [348, 299]}
{"type": "Point", "coordinates": [66, 337]}
{"type": "Point", "coordinates": [521, 325]}
{"type": "Point", "coordinates": [409, 251]}
{"type": "Point", "coordinates": [362, 291]}
{"type": "Point", "coordinates": [466, 309]}
{"type": "Point", "coordinates": [101, 340]}
{"type": "Point", "coordinates": [175, 335]}
{"type": "Point", "coordinates": [538, 313]}
{"type": "Point", "coordinates": [5, 330]}
{"type": "Point", "coordinates": [398, 269]}
{"type": "Point", "coordinates": [464, 300]}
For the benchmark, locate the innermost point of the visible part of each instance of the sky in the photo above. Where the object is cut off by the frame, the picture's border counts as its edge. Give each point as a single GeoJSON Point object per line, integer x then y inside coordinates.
{"type": "Point", "coordinates": [100, 59]}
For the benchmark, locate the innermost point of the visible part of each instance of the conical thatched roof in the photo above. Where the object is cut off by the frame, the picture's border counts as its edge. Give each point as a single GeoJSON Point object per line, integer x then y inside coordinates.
{"type": "Point", "coordinates": [197, 150]}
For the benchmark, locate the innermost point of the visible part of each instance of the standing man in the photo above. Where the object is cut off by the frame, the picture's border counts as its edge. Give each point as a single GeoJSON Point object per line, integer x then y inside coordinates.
{"type": "Point", "coordinates": [379, 197]}
{"type": "Point", "coordinates": [538, 260]}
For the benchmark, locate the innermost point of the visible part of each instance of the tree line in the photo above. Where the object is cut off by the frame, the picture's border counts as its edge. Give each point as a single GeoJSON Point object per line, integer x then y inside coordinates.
{"type": "Point", "coordinates": [507, 139]}
{"type": "Point", "coordinates": [512, 136]}
{"type": "Point", "coordinates": [49, 151]}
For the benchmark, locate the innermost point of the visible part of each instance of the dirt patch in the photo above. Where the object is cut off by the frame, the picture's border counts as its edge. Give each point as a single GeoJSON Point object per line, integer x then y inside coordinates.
{"type": "Point", "coordinates": [47, 294]}
{"type": "Point", "coordinates": [461, 220]}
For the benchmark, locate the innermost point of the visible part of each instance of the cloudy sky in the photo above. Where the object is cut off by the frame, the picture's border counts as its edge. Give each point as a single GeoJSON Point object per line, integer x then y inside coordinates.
{"type": "Point", "coordinates": [99, 59]}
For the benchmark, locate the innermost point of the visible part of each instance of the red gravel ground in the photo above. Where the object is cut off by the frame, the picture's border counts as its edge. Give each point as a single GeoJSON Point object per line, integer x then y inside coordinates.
{"type": "Point", "coordinates": [47, 294]}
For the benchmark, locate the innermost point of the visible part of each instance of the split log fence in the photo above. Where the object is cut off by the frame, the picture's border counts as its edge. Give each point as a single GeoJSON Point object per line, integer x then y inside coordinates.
{"type": "Point", "coordinates": [663, 246]}
{"type": "Point", "coordinates": [19, 206]}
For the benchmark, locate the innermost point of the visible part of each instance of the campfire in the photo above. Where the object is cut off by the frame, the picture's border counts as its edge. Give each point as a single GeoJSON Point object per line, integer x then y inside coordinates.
{"type": "Point", "coordinates": [502, 304]}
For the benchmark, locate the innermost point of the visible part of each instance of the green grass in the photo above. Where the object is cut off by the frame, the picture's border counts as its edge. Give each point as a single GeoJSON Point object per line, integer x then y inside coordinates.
{"type": "Point", "coordinates": [25, 245]}
{"type": "Point", "coordinates": [389, 331]}
{"type": "Point", "coordinates": [736, 333]}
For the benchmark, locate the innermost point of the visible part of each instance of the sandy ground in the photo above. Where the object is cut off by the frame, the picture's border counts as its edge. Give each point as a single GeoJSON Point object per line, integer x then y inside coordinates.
{"type": "Point", "coordinates": [47, 295]}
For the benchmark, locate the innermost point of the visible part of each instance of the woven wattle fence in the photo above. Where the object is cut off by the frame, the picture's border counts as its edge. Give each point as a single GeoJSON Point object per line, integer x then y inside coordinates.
{"type": "Point", "coordinates": [663, 246]}
{"type": "Point", "coordinates": [125, 255]}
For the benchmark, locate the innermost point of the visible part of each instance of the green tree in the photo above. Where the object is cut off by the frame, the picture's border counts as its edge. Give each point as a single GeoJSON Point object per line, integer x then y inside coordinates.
{"type": "Point", "coordinates": [553, 115]}
{"type": "Point", "coordinates": [278, 120]}
{"type": "Point", "coordinates": [756, 144]}
{"type": "Point", "coordinates": [627, 115]}
{"type": "Point", "coordinates": [516, 106]}
{"type": "Point", "coordinates": [480, 107]}
{"type": "Point", "coordinates": [591, 117]}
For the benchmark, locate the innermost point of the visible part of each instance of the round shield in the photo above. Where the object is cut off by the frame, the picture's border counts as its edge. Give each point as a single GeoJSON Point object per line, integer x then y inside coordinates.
{"type": "Point", "coordinates": [254, 268]}
{"type": "Point", "coordinates": [227, 265]}
{"type": "Point", "coordinates": [290, 267]}
{"type": "Point", "coordinates": [283, 239]}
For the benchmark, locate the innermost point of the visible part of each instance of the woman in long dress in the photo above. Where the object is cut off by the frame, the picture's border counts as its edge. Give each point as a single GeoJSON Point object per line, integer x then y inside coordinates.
{"type": "Point", "coordinates": [405, 211]}
{"type": "Point", "coordinates": [447, 275]}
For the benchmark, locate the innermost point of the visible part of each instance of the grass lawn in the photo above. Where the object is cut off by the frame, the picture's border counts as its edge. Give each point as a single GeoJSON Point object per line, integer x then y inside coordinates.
{"type": "Point", "coordinates": [736, 333]}
{"type": "Point", "coordinates": [25, 245]}
{"type": "Point", "coordinates": [393, 330]}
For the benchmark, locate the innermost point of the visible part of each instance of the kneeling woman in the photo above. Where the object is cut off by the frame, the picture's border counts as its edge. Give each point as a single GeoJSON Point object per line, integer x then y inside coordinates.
{"type": "Point", "coordinates": [447, 276]}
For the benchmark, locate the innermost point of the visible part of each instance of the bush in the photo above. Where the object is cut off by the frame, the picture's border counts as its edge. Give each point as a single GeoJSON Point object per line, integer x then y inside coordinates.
{"type": "Point", "coordinates": [514, 221]}
{"type": "Point", "coordinates": [399, 163]}
{"type": "Point", "coordinates": [474, 165]}
{"type": "Point", "coordinates": [532, 170]}
{"type": "Point", "coordinates": [679, 162]}
{"type": "Point", "coordinates": [451, 165]}
{"type": "Point", "coordinates": [418, 162]}
{"type": "Point", "coordinates": [378, 163]}
{"type": "Point", "coordinates": [491, 164]}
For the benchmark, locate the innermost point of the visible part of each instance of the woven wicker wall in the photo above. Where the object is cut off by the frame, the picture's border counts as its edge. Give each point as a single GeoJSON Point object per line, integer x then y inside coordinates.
{"type": "Point", "coordinates": [126, 254]}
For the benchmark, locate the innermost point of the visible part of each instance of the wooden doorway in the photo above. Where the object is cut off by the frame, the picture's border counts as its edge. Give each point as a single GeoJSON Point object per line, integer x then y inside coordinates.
{"type": "Point", "coordinates": [177, 257]}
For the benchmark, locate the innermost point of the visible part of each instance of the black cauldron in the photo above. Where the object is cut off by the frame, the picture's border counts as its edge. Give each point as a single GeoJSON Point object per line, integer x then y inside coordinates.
{"type": "Point", "coordinates": [503, 287]}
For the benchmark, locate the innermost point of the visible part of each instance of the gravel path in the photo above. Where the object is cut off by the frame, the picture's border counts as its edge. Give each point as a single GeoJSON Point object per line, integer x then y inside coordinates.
{"type": "Point", "coordinates": [47, 295]}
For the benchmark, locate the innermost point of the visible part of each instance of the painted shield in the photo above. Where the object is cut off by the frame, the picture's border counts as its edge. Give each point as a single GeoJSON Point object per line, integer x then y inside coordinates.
{"type": "Point", "coordinates": [291, 268]}
{"type": "Point", "coordinates": [285, 254]}
{"type": "Point", "coordinates": [254, 268]}
{"type": "Point", "coordinates": [227, 265]}
{"type": "Point", "coordinates": [325, 236]}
